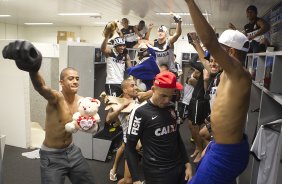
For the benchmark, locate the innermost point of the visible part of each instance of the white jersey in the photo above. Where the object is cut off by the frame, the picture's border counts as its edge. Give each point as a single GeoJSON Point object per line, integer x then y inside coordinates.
{"type": "Point", "coordinates": [123, 118]}
{"type": "Point", "coordinates": [266, 147]}
{"type": "Point", "coordinates": [115, 67]}
{"type": "Point", "coordinates": [187, 93]}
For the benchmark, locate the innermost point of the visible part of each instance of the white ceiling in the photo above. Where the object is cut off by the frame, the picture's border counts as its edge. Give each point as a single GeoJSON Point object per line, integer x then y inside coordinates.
{"type": "Point", "coordinates": [222, 11]}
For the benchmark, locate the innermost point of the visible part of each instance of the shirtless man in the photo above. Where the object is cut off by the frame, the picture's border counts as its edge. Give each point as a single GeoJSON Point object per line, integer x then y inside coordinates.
{"type": "Point", "coordinates": [227, 155]}
{"type": "Point", "coordinates": [59, 157]}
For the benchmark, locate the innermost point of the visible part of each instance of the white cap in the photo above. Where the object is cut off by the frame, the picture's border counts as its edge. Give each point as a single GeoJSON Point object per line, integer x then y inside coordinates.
{"type": "Point", "coordinates": [162, 28]}
{"type": "Point", "coordinates": [118, 41]}
{"type": "Point", "coordinates": [234, 39]}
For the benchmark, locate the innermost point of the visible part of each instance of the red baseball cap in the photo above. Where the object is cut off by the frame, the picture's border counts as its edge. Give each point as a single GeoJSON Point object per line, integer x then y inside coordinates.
{"type": "Point", "coordinates": [167, 80]}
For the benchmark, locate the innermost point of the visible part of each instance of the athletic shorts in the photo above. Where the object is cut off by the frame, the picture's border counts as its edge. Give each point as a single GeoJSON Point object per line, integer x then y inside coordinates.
{"type": "Point", "coordinates": [222, 163]}
{"type": "Point", "coordinates": [172, 176]}
{"type": "Point", "coordinates": [183, 111]}
{"type": "Point", "coordinates": [113, 89]}
{"type": "Point", "coordinates": [130, 44]}
{"type": "Point", "coordinates": [198, 111]}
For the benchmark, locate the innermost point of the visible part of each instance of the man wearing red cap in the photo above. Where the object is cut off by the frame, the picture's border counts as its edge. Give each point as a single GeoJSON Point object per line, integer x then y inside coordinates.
{"type": "Point", "coordinates": [154, 122]}
{"type": "Point", "coordinates": [227, 154]}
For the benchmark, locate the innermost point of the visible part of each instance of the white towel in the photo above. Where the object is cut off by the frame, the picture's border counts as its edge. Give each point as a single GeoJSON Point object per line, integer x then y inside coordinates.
{"type": "Point", "coordinates": [37, 135]}
{"type": "Point", "coordinates": [32, 154]}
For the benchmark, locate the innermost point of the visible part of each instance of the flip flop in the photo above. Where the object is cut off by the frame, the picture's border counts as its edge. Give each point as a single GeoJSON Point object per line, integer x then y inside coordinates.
{"type": "Point", "coordinates": [113, 177]}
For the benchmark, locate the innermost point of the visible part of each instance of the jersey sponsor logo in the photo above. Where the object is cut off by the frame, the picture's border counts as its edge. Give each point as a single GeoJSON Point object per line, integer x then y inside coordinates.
{"type": "Point", "coordinates": [119, 61]}
{"type": "Point", "coordinates": [162, 54]}
{"type": "Point", "coordinates": [154, 117]}
{"type": "Point", "coordinates": [257, 38]}
{"type": "Point", "coordinates": [135, 125]}
{"type": "Point", "coordinates": [129, 35]}
{"type": "Point", "coordinates": [165, 130]}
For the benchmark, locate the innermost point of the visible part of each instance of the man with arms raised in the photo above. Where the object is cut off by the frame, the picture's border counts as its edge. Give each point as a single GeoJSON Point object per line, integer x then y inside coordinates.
{"type": "Point", "coordinates": [59, 157]}
{"type": "Point", "coordinates": [227, 155]}
{"type": "Point", "coordinates": [117, 59]}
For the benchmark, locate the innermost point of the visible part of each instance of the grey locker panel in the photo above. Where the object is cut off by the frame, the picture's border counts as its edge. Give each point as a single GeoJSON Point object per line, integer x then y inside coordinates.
{"type": "Point", "coordinates": [101, 148]}
{"type": "Point", "coordinates": [82, 59]}
{"type": "Point", "coordinates": [99, 81]}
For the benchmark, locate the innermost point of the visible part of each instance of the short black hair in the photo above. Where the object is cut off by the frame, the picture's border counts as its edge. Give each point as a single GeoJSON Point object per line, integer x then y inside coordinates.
{"type": "Point", "coordinates": [164, 64]}
{"type": "Point", "coordinates": [252, 8]}
{"type": "Point", "coordinates": [142, 22]}
{"type": "Point", "coordinates": [62, 74]}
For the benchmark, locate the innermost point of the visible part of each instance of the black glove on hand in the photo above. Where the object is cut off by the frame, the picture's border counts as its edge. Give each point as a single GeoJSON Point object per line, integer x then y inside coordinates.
{"type": "Point", "coordinates": [27, 57]}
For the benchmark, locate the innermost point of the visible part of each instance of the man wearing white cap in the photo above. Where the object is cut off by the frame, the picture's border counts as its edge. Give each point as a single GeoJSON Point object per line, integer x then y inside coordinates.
{"type": "Point", "coordinates": [116, 59]}
{"type": "Point", "coordinates": [227, 155]}
{"type": "Point", "coordinates": [164, 46]}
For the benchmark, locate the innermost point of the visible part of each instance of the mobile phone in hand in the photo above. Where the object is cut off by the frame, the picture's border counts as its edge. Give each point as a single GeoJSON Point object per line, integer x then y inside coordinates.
{"type": "Point", "coordinates": [190, 40]}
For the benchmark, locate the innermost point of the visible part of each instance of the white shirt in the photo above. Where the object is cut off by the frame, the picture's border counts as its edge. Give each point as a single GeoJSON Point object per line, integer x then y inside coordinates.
{"type": "Point", "coordinates": [187, 93]}
{"type": "Point", "coordinates": [115, 69]}
{"type": "Point", "coordinates": [266, 147]}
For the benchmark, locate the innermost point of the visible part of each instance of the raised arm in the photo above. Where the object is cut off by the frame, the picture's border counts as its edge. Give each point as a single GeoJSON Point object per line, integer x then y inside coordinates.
{"type": "Point", "coordinates": [119, 32]}
{"type": "Point", "coordinates": [150, 27]}
{"type": "Point", "coordinates": [232, 26]}
{"type": "Point", "coordinates": [177, 33]}
{"type": "Point", "coordinates": [209, 39]}
{"type": "Point", "coordinates": [29, 59]}
{"type": "Point", "coordinates": [104, 48]}
{"type": "Point", "coordinates": [196, 44]}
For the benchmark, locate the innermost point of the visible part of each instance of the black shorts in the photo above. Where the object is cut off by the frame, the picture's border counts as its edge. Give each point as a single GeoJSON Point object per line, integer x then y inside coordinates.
{"type": "Point", "coordinates": [183, 110]}
{"type": "Point", "coordinates": [130, 44]}
{"type": "Point", "coordinates": [198, 111]}
{"type": "Point", "coordinates": [172, 176]}
{"type": "Point", "coordinates": [113, 89]}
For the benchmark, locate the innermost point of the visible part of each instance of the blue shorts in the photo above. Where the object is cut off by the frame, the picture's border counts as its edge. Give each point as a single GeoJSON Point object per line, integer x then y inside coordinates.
{"type": "Point", "coordinates": [222, 163]}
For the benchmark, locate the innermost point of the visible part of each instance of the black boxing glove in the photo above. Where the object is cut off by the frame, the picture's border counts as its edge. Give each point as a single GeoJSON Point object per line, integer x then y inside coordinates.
{"type": "Point", "coordinates": [27, 57]}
